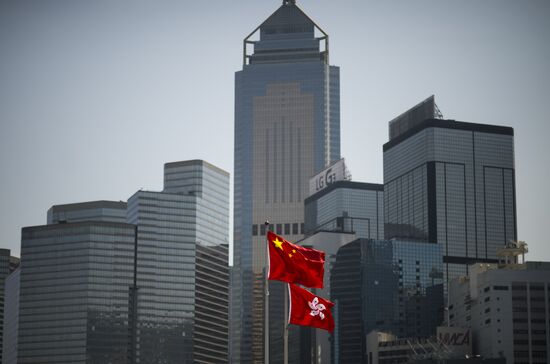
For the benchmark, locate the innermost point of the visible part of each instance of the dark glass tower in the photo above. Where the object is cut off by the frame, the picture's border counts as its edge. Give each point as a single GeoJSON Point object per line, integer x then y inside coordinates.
{"type": "Point", "coordinates": [74, 288]}
{"type": "Point", "coordinates": [287, 127]}
{"type": "Point", "coordinates": [452, 183]}
{"type": "Point", "coordinates": [11, 318]}
{"type": "Point", "coordinates": [95, 289]}
{"type": "Point", "coordinates": [4, 272]}
{"type": "Point", "coordinates": [389, 285]}
{"type": "Point", "coordinates": [348, 207]}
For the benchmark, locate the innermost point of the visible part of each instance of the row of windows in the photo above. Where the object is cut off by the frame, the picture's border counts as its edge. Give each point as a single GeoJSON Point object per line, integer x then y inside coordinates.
{"type": "Point", "coordinates": [524, 320]}
{"type": "Point", "coordinates": [260, 229]}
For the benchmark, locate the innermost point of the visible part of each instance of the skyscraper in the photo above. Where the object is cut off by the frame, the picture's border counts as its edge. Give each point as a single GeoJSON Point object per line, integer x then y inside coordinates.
{"type": "Point", "coordinates": [393, 285]}
{"type": "Point", "coordinates": [450, 183]}
{"type": "Point", "coordinates": [11, 318]}
{"type": "Point", "coordinates": [287, 127]}
{"type": "Point", "coordinates": [75, 286]}
{"type": "Point", "coordinates": [96, 289]}
{"type": "Point", "coordinates": [182, 277]}
{"type": "Point", "coordinates": [347, 206]}
{"type": "Point", "coordinates": [4, 272]}
{"type": "Point", "coordinates": [335, 215]}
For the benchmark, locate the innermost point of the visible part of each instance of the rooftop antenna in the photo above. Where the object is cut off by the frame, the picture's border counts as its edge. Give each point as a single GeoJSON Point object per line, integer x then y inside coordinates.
{"type": "Point", "coordinates": [286, 2]}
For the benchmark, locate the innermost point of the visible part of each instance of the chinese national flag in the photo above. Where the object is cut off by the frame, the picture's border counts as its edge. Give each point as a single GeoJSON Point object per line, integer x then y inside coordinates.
{"type": "Point", "coordinates": [307, 309]}
{"type": "Point", "coordinates": [295, 264]}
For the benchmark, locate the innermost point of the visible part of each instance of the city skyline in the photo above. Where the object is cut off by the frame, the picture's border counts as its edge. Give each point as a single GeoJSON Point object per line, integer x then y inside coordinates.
{"type": "Point", "coordinates": [85, 87]}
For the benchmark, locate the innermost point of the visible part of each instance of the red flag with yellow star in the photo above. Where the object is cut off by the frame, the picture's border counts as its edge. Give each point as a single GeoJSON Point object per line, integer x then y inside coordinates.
{"type": "Point", "coordinates": [292, 263]}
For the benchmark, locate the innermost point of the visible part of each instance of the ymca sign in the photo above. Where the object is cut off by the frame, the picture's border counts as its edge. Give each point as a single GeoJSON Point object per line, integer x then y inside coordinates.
{"type": "Point", "coordinates": [457, 339]}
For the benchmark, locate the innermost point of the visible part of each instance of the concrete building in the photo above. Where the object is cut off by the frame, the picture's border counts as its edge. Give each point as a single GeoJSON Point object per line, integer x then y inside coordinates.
{"type": "Point", "coordinates": [450, 346]}
{"type": "Point", "coordinates": [507, 308]}
{"type": "Point", "coordinates": [287, 128]}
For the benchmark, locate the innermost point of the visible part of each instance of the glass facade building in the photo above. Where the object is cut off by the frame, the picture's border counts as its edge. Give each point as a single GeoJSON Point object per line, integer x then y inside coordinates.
{"type": "Point", "coordinates": [181, 295]}
{"type": "Point", "coordinates": [11, 318]}
{"type": "Point", "coordinates": [334, 216]}
{"type": "Point", "coordinates": [74, 291]}
{"type": "Point", "coordinates": [113, 211]}
{"type": "Point", "coordinates": [287, 127]}
{"type": "Point", "coordinates": [349, 207]}
{"type": "Point", "coordinates": [151, 290]}
{"type": "Point", "coordinates": [4, 272]}
{"type": "Point", "coordinates": [389, 285]}
{"type": "Point", "coordinates": [452, 183]}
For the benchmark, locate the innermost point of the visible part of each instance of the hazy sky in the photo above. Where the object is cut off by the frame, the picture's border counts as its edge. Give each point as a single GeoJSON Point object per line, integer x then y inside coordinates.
{"type": "Point", "coordinates": [95, 96]}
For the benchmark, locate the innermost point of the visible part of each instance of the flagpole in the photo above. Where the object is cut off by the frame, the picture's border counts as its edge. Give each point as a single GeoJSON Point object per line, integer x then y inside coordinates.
{"type": "Point", "coordinates": [266, 303]}
{"type": "Point", "coordinates": [285, 334]}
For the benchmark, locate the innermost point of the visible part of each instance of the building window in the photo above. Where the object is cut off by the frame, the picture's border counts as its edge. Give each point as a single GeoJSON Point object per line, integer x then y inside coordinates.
{"type": "Point", "coordinates": [255, 230]}
{"type": "Point", "coordinates": [295, 228]}
{"type": "Point", "coordinates": [287, 229]}
{"type": "Point", "coordinates": [302, 228]}
{"type": "Point", "coordinates": [279, 229]}
{"type": "Point", "coordinates": [500, 288]}
{"type": "Point", "coordinates": [262, 229]}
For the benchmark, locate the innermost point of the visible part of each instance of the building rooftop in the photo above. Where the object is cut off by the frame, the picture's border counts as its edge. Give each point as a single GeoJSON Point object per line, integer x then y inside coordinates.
{"type": "Point", "coordinates": [100, 204]}
{"type": "Point", "coordinates": [448, 124]}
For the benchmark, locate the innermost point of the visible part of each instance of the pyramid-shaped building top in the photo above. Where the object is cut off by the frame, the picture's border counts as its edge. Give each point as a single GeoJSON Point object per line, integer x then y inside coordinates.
{"type": "Point", "coordinates": [287, 35]}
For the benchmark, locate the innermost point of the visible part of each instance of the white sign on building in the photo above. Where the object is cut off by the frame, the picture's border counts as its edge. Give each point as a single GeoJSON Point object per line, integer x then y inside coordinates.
{"type": "Point", "coordinates": [457, 340]}
{"type": "Point", "coordinates": [335, 172]}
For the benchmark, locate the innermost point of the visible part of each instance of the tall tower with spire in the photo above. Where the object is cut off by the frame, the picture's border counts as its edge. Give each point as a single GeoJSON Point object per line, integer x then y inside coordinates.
{"type": "Point", "coordinates": [287, 128]}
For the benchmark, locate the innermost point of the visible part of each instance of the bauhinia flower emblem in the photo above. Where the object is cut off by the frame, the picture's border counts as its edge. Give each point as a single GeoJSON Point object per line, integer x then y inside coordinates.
{"type": "Point", "coordinates": [317, 308]}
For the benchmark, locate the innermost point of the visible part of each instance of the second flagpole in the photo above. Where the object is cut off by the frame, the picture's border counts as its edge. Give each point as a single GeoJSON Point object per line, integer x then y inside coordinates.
{"type": "Point", "coordinates": [286, 320]}
{"type": "Point", "coordinates": [266, 291]}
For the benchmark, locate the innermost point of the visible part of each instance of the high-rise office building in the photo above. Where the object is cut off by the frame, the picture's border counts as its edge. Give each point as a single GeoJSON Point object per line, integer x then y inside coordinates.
{"type": "Point", "coordinates": [95, 289]}
{"type": "Point", "coordinates": [11, 317]}
{"type": "Point", "coordinates": [113, 211]}
{"type": "Point", "coordinates": [347, 206]}
{"type": "Point", "coordinates": [4, 272]}
{"type": "Point", "coordinates": [75, 287]}
{"type": "Point", "coordinates": [391, 285]}
{"type": "Point", "coordinates": [339, 212]}
{"type": "Point", "coordinates": [315, 345]}
{"type": "Point", "coordinates": [287, 127]}
{"type": "Point", "coordinates": [450, 183]}
{"type": "Point", "coordinates": [181, 298]}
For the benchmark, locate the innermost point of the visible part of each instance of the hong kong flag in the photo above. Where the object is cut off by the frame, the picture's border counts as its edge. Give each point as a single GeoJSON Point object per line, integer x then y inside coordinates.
{"type": "Point", "coordinates": [292, 263]}
{"type": "Point", "coordinates": [307, 309]}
